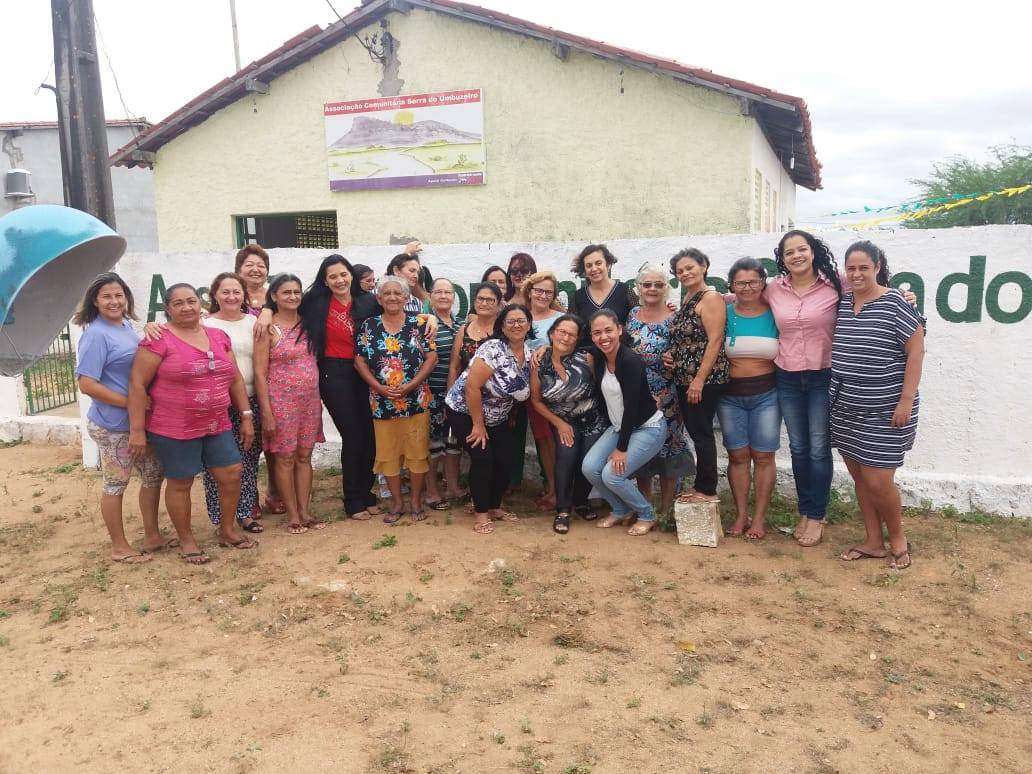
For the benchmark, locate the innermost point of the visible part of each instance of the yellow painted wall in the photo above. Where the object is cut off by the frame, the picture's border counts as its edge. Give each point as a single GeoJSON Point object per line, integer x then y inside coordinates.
{"type": "Point", "coordinates": [568, 155]}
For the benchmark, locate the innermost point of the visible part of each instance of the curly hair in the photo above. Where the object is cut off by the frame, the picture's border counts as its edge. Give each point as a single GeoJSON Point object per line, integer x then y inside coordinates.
{"type": "Point", "coordinates": [823, 258]}
{"type": "Point", "coordinates": [247, 250]}
{"type": "Point", "coordinates": [877, 256]}
{"type": "Point", "coordinates": [499, 325]}
{"type": "Point", "coordinates": [577, 267]}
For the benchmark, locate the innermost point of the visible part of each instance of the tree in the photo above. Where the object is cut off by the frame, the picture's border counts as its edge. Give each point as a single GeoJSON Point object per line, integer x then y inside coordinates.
{"type": "Point", "coordinates": [1009, 166]}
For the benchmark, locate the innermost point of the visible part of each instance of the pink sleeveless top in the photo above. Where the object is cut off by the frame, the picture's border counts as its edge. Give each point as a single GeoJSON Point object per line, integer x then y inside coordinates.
{"type": "Point", "coordinates": [190, 393]}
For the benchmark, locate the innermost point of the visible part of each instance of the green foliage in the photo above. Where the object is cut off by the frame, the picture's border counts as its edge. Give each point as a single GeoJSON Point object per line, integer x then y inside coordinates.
{"type": "Point", "coordinates": [1009, 166]}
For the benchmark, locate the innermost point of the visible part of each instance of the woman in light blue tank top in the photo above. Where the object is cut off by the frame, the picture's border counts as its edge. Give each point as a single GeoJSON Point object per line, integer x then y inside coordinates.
{"type": "Point", "coordinates": [750, 419]}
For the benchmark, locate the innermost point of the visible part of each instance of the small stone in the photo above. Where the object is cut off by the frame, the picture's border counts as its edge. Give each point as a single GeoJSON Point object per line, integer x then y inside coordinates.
{"type": "Point", "coordinates": [931, 714]}
{"type": "Point", "coordinates": [873, 656]}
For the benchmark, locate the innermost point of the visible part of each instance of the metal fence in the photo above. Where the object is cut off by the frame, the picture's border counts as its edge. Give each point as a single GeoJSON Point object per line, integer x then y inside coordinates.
{"type": "Point", "coordinates": [50, 382]}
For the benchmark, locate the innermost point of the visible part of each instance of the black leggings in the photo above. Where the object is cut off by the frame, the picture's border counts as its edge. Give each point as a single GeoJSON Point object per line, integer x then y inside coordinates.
{"type": "Point", "coordinates": [489, 467]}
{"type": "Point", "coordinates": [698, 421]}
{"type": "Point", "coordinates": [346, 397]}
{"type": "Point", "coordinates": [571, 487]}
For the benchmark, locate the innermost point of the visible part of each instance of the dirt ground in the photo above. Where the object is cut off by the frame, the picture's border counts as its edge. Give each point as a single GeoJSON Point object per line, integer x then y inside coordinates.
{"type": "Point", "coordinates": [344, 651]}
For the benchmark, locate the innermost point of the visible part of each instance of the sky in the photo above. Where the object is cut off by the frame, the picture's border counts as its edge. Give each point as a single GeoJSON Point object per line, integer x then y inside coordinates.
{"type": "Point", "coordinates": [892, 87]}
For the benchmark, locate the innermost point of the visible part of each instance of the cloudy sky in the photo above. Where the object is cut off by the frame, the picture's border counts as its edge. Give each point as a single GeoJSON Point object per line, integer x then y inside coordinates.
{"type": "Point", "coordinates": [892, 87]}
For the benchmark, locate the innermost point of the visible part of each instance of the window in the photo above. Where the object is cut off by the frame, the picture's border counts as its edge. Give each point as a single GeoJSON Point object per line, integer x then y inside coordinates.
{"type": "Point", "coordinates": [774, 211]}
{"type": "Point", "coordinates": [769, 221]}
{"type": "Point", "coordinates": [303, 229]}
{"type": "Point", "coordinates": [758, 200]}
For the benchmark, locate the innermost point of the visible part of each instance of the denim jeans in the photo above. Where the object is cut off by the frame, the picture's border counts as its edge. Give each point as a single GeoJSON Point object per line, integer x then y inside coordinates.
{"type": "Point", "coordinates": [620, 490]}
{"type": "Point", "coordinates": [752, 421]}
{"type": "Point", "coordinates": [803, 396]}
{"type": "Point", "coordinates": [571, 488]}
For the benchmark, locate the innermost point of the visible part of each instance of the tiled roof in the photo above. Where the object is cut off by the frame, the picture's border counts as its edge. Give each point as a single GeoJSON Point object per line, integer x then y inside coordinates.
{"type": "Point", "coordinates": [784, 118]}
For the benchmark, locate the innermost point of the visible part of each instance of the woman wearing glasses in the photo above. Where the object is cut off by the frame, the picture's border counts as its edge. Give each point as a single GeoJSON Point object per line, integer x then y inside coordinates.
{"type": "Point", "coordinates": [478, 328]}
{"type": "Point", "coordinates": [191, 377]}
{"type": "Point", "coordinates": [478, 409]}
{"type": "Point", "coordinates": [648, 327]}
{"type": "Point", "coordinates": [750, 418]}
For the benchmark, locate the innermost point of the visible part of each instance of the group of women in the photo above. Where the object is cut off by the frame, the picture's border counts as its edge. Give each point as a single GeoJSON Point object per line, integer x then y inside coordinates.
{"type": "Point", "coordinates": [612, 388]}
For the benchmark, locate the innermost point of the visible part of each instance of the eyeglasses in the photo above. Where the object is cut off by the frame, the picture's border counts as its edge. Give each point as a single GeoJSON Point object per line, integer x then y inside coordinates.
{"type": "Point", "coordinates": [515, 270]}
{"type": "Point", "coordinates": [561, 333]}
{"type": "Point", "coordinates": [211, 360]}
{"type": "Point", "coordinates": [542, 292]}
{"type": "Point", "coordinates": [516, 323]}
{"type": "Point", "coordinates": [486, 300]}
{"type": "Point", "coordinates": [748, 284]}
{"type": "Point", "coordinates": [652, 285]}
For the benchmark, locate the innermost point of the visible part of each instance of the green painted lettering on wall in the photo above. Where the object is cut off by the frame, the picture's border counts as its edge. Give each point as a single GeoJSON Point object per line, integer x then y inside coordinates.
{"type": "Point", "coordinates": [974, 281]}
{"type": "Point", "coordinates": [914, 283]}
{"type": "Point", "coordinates": [157, 296]}
{"type": "Point", "coordinates": [992, 297]}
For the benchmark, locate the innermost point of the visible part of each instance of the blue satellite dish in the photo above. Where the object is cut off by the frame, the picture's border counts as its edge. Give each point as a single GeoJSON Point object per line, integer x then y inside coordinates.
{"type": "Point", "coordinates": [48, 256]}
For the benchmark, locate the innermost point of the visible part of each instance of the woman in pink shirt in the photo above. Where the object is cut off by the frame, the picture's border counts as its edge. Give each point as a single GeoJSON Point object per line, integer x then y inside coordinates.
{"type": "Point", "coordinates": [804, 300]}
{"type": "Point", "coordinates": [191, 377]}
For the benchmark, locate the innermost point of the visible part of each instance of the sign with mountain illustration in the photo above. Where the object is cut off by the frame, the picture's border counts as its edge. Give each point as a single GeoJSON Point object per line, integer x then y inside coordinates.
{"type": "Point", "coordinates": [409, 141]}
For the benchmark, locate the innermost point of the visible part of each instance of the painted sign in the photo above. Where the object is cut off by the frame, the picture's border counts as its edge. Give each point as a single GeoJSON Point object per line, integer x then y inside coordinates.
{"type": "Point", "coordinates": [408, 141]}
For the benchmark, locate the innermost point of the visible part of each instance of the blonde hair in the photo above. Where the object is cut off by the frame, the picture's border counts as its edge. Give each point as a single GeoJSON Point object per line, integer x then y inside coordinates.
{"type": "Point", "coordinates": [523, 292]}
{"type": "Point", "coordinates": [653, 269]}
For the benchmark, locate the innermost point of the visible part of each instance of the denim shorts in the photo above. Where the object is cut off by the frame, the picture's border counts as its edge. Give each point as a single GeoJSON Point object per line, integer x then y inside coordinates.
{"type": "Point", "coordinates": [185, 459]}
{"type": "Point", "coordinates": [751, 420]}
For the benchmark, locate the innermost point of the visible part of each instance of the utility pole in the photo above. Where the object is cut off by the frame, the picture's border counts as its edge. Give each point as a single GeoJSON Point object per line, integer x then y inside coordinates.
{"type": "Point", "coordinates": [236, 36]}
{"type": "Point", "coordinates": [80, 110]}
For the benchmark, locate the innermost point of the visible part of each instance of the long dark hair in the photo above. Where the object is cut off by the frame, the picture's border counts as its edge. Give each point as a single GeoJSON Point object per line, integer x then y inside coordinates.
{"type": "Point", "coordinates": [315, 304]}
{"type": "Point", "coordinates": [526, 261]}
{"type": "Point", "coordinates": [88, 312]}
{"type": "Point", "coordinates": [213, 304]}
{"type": "Point", "coordinates": [499, 325]}
{"type": "Point", "coordinates": [877, 256]}
{"type": "Point", "coordinates": [823, 258]}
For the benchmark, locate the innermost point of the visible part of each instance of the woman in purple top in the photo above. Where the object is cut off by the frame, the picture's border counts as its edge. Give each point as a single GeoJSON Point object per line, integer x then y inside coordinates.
{"type": "Point", "coordinates": [106, 352]}
{"type": "Point", "coordinates": [191, 378]}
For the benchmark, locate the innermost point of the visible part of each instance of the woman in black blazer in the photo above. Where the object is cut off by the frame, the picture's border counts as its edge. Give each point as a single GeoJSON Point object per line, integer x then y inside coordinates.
{"type": "Point", "coordinates": [637, 432]}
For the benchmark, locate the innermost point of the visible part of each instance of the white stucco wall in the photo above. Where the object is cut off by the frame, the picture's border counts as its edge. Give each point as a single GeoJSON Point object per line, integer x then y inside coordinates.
{"type": "Point", "coordinates": [38, 150]}
{"type": "Point", "coordinates": [577, 149]}
{"type": "Point", "coordinates": [766, 161]}
{"type": "Point", "coordinates": [974, 439]}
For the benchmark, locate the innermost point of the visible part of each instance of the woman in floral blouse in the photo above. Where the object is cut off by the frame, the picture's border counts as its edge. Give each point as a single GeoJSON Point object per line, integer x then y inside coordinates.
{"type": "Point", "coordinates": [478, 407]}
{"type": "Point", "coordinates": [395, 359]}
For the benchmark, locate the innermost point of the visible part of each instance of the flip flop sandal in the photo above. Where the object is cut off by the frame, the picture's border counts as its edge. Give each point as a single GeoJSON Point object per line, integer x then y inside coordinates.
{"type": "Point", "coordinates": [374, 510]}
{"type": "Point", "coordinates": [275, 506]}
{"type": "Point", "coordinates": [296, 529]}
{"type": "Point", "coordinates": [393, 517]}
{"type": "Point", "coordinates": [197, 557]}
{"type": "Point", "coordinates": [438, 505]}
{"type": "Point", "coordinates": [895, 565]}
{"type": "Point", "coordinates": [506, 516]}
{"type": "Point", "coordinates": [419, 515]}
{"type": "Point", "coordinates": [243, 544]}
{"type": "Point", "coordinates": [860, 554]}
{"type": "Point", "coordinates": [133, 558]}
{"type": "Point", "coordinates": [314, 524]}
{"type": "Point", "coordinates": [641, 527]}
{"type": "Point", "coordinates": [561, 523]}
{"type": "Point", "coordinates": [483, 527]}
{"type": "Point", "coordinates": [252, 526]}
{"type": "Point", "coordinates": [362, 515]}
{"type": "Point", "coordinates": [587, 513]}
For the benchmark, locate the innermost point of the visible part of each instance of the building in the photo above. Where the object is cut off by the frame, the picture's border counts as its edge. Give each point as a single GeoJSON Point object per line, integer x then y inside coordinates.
{"type": "Point", "coordinates": [35, 146]}
{"type": "Point", "coordinates": [583, 140]}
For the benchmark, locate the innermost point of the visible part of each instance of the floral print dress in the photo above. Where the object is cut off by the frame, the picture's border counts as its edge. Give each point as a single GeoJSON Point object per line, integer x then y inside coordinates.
{"type": "Point", "coordinates": [294, 394]}
{"type": "Point", "coordinates": [395, 359]}
{"type": "Point", "coordinates": [651, 340]}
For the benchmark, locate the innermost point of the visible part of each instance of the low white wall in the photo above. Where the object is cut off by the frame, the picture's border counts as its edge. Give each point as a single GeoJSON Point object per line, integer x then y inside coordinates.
{"type": "Point", "coordinates": [974, 439]}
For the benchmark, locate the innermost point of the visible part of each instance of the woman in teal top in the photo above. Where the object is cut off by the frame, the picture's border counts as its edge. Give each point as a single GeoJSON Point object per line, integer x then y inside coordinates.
{"type": "Point", "coordinates": [750, 419]}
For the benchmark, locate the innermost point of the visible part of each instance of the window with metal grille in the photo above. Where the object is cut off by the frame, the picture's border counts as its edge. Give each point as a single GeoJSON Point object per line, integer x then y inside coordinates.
{"type": "Point", "coordinates": [302, 229]}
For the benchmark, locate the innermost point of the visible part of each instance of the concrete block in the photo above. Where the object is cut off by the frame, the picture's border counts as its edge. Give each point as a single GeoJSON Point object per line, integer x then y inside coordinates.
{"type": "Point", "coordinates": [698, 524]}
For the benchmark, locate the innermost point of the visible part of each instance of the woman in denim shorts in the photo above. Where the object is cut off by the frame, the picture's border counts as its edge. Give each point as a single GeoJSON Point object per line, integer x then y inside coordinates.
{"type": "Point", "coordinates": [750, 419]}
{"type": "Point", "coordinates": [106, 352]}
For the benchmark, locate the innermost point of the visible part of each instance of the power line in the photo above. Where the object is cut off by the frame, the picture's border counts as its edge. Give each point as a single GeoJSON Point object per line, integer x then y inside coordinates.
{"type": "Point", "coordinates": [129, 115]}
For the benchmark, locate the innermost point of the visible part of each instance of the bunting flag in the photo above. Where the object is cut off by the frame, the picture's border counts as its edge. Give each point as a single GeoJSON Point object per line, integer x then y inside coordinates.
{"type": "Point", "coordinates": [923, 204]}
{"type": "Point", "coordinates": [945, 203]}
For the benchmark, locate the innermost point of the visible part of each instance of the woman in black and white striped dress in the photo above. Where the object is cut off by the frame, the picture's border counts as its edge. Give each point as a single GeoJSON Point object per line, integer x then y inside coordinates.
{"type": "Point", "coordinates": [876, 363]}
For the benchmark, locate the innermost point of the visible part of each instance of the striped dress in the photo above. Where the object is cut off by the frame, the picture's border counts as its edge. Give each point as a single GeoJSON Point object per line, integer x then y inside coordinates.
{"type": "Point", "coordinates": [868, 361]}
{"type": "Point", "coordinates": [438, 380]}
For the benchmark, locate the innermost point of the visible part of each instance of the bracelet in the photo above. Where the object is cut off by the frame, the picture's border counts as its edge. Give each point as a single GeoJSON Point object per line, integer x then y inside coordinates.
{"type": "Point", "coordinates": [247, 413]}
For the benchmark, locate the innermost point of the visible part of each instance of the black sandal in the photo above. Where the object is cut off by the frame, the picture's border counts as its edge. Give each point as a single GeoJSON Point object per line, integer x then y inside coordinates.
{"type": "Point", "coordinates": [252, 526]}
{"type": "Point", "coordinates": [586, 512]}
{"type": "Point", "coordinates": [562, 523]}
